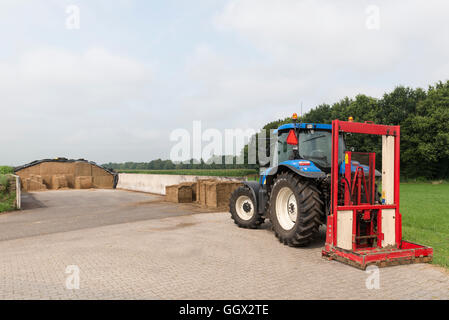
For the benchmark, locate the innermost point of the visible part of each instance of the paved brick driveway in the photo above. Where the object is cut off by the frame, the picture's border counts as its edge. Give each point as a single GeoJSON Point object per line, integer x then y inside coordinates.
{"type": "Point", "coordinates": [192, 256]}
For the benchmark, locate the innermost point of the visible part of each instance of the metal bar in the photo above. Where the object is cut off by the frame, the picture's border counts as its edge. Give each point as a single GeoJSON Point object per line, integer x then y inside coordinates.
{"type": "Point", "coordinates": [366, 128]}
{"type": "Point", "coordinates": [397, 181]}
{"type": "Point", "coordinates": [348, 167]}
{"type": "Point", "coordinates": [367, 237]}
{"type": "Point", "coordinates": [354, 183]}
{"type": "Point", "coordinates": [334, 172]}
{"type": "Point", "coordinates": [355, 231]}
{"type": "Point", "coordinates": [359, 184]}
{"type": "Point", "coordinates": [368, 197]}
{"type": "Point", "coordinates": [372, 176]}
{"type": "Point", "coordinates": [366, 207]}
{"type": "Point", "coordinates": [379, 229]}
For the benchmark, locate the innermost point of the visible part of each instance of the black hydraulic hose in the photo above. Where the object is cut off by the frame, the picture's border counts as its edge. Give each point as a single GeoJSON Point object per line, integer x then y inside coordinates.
{"type": "Point", "coordinates": [349, 185]}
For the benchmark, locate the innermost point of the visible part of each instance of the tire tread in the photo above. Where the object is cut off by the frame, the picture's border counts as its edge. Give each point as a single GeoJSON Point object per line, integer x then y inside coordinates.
{"type": "Point", "coordinates": [254, 222]}
{"type": "Point", "coordinates": [311, 210]}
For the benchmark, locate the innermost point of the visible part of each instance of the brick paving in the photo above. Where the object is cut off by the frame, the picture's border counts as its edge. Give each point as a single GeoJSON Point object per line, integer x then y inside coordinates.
{"type": "Point", "coordinates": [196, 256]}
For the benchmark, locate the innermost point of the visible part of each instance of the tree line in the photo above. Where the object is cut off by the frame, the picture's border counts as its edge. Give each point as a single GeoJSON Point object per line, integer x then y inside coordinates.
{"type": "Point", "coordinates": [227, 162]}
{"type": "Point", "coordinates": [422, 114]}
{"type": "Point", "coordinates": [424, 119]}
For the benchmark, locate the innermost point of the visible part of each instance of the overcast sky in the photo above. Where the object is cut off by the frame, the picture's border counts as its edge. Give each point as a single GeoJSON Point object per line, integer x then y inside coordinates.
{"type": "Point", "coordinates": [114, 89]}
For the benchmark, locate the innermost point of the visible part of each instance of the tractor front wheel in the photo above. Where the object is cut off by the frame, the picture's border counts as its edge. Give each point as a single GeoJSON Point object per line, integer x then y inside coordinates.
{"type": "Point", "coordinates": [296, 209]}
{"type": "Point", "coordinates": [243, 209]}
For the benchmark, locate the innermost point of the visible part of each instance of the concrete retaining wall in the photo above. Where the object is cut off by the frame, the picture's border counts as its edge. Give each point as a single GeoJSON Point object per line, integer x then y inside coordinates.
{"type": "Point", "coordinates": [156, 183]}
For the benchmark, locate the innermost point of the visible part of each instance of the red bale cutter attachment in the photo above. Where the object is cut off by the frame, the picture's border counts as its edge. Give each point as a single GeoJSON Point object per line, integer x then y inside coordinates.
{"type": "Point", "coordinates": [362, 227]}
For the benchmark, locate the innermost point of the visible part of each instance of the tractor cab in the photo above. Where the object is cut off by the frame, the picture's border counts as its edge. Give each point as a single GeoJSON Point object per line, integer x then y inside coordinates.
{"type": "Point", "coordinates": [313, 143]}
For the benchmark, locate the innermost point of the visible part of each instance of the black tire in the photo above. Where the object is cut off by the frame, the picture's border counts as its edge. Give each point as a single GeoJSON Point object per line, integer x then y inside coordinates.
{"type": "Point", "coordinates": [253, 219]}
{"type": "Point", "coordinates": [310, 210]}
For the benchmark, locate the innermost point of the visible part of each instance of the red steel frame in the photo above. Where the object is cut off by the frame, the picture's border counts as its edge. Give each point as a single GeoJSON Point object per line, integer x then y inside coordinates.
{"type": "Point", "coordinates": [403, 251]}
{"type": "Point", "coordinates": [358, 181]}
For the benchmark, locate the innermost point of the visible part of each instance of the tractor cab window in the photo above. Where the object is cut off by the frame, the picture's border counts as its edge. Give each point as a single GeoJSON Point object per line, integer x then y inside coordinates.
{"type": "Point", "coordinates": [284, 150]}
{"type": "Point", "coordinates": [316, 146]}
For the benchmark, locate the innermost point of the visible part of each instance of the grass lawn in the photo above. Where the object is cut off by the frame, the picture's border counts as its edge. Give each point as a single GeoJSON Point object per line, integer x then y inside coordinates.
{"type": "Point", "coordinates": [199, 172]}
{"type": "Point", "coordinates": [425, 217]}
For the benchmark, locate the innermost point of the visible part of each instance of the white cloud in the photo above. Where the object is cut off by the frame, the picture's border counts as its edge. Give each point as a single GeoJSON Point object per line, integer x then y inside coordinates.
{"type": "Point", "coordinates": [52, 78]}
{"type": "Point", "coordinates": [233, 94]}
{"type": "Point", "coordinates": [313, 34]}
{"type": "Point", "coordinates": [67, 99]}
{"type": "Point", "coordinates": [315, 52]}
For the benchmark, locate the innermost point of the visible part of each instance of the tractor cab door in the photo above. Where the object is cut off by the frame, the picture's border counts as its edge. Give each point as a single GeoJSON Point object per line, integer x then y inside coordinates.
{"type": "Point", "coordinates": [283, 150]}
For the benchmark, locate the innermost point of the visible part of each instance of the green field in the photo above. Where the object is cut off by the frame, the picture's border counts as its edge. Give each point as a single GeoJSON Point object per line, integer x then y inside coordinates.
{"type": "Point", "coordinates": [199, 172]}
{"type": "Point", "coordinates": [425, 217]}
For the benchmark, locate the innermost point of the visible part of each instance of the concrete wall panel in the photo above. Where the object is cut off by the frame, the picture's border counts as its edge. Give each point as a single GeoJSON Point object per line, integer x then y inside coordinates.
{"type": "Point", "coordinates": [156, 183]}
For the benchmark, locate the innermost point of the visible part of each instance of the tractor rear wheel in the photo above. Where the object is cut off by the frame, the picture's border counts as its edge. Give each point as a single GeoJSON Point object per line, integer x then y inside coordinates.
{"type": "Point", "coordinates": [296, 209]}
{"type": "Point", "coordinates": [243, 209]}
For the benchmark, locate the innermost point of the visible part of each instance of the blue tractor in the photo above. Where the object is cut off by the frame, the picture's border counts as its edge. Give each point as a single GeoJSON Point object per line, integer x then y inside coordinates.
{"type": "Point", "coordinates": [294, 193]}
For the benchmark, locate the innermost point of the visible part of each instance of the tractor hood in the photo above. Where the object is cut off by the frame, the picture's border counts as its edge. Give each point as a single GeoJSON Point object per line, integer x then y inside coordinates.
{"type": "Point", "coordinates": [308, 169]}
{"type": "Point", "coordinates": [307, 166]}
{"type": "Point", "coordinates": [354, 165]}
{"type": "Point", "coordinates": [302, 167]}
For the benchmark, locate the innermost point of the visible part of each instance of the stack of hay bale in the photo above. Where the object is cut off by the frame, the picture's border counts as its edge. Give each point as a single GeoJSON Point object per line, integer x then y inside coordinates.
{"type": "Point", "coordinates": [34, 183]}
{"type": "Point", "coordinates": [181, 193]}
{"type": "Point", "coordinates": [208, 193]}
{"type": "Point", "coordinates": [62, 173]}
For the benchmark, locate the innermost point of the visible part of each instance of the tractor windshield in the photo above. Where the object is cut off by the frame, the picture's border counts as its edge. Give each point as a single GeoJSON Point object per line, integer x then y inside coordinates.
{"type": "Point", "coordinates": [316, 146]}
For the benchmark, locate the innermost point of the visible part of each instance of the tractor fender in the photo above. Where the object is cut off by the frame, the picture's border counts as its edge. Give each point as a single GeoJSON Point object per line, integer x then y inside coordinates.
{"type": "Point", "coordinates": [310, 172]}
{"type": "Point", "coordinates": [254, 186]}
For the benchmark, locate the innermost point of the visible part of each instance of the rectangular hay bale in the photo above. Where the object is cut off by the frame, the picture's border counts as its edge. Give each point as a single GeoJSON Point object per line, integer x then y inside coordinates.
{"type": "Point", "coordinates": [103, 182]}
{"type": "Point", "coordinates": [83, 182]}
{"type": "Point", "coordinates": [33, 184]}
{"type": "Point", "coordinates": [179, 193]}
{"type": "Point", "coordinates": [58, 181]}
{"type": "Point", "coordinates": [201, 190]}
{"type": "Point", "coordinates": [82, 169]}
{"type": "Point", "coordinates": [193, 186]}
{"type": "Point", "coordinates": [171, 193]}
{"type": "Point", "coordinates": [217, 193]}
